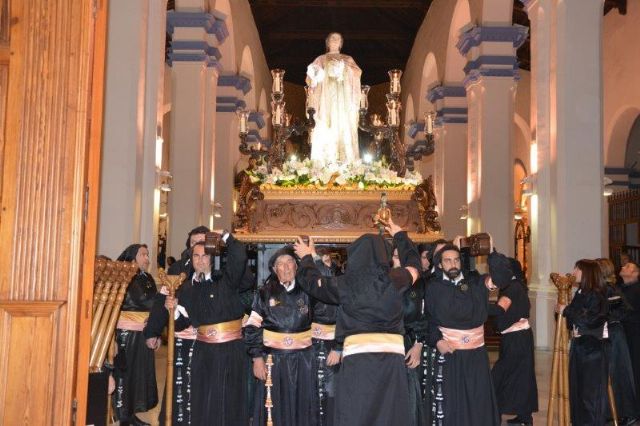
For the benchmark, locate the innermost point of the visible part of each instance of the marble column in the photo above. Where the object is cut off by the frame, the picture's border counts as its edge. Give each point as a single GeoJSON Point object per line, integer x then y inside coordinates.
{"type": "Point", "coordinates": [450, 133]}
{"type": "Point", "coordinates": [491, 81]}
{"type": "Point", "coordinates": [129, 198]}
{"type": "Point", "coordinates": [566, 123]}
{"type": "Point", "coordinates": [231, 91]}
{"type": "Point", "coordinates": [194, 60]}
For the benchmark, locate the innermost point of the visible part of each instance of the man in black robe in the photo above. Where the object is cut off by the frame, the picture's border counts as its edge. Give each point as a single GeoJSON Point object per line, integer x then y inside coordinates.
{"type": "Point", "coordinates": [197, 234]}
{"type": "Point", "coordinates": [280, 326]}
{"type": "Point", "coordinates": [371, 387]}
{"type": "Point", "coordinates": [327, 350]}
{"type": "Point", "coordinates": [212, 305]}
{"type": "Point", "coordinates": [134, 365]}
{"type": "Point", "coordinates": [514, 375]}
{"type": "Point", "coordinates": [631, 323]}
{"type": "Point", "coordinates": [456, 308]}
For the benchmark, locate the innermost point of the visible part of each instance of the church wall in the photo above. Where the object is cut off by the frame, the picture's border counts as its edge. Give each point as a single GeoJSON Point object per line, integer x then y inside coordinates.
{"type": "Point", "coordinates": [621, 83]}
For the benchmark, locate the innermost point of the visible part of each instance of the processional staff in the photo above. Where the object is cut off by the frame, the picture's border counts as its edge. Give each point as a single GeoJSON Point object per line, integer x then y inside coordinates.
{"type": "Point", "coordinates": [171, 282]}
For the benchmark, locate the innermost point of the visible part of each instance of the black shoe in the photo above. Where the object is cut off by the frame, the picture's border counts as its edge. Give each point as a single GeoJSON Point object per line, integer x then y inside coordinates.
{"type": "Point", "coordinates": [520, 421]}
{"type": "Point", "coordinates": [137, 422]}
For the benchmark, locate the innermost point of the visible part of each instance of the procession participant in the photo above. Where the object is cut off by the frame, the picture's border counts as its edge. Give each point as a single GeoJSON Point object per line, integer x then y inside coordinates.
{"type": "Point", "coordinates": [371, 388]}
{"type": "Point", "coordinates": [514, 375]}
{"type": "Point", "coordinates": [212, 305]}
{"type": "Point", "coordinates": [414, 331]}
{"type": "Point", "coordinates": [456, 306]}
{"type": "Point", "coordinates": [184, 264]}
{"type": "Point", "coordinates": [280, 326]}
{"type": "Point", "coordinates": [588, 367]}
{"type": "Point", "coordinates": [327, 350]}
{"type": "Point", "coordinates": [620, 367]}
{"type": "Point", "coordinates": [631, 291]}
{"type": "Point", "coordinates": [134, 365]}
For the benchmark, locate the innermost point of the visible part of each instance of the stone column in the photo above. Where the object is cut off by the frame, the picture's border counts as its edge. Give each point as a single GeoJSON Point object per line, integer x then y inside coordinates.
{"type": "Point", "coordinates": [491, 75]}
{"type": "Point", "coordinates": [450, 131]}
{"type": "Point", "coordinates": [129, 196]}
{"type": "Point", "coordinates": [566, 205]}
{"type": "Point", "coordinates": [194, 60]}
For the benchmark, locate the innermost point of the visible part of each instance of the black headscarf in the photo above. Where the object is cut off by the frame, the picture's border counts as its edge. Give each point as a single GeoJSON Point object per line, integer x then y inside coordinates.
{"type": "Point", "coordinates": [500, 269]}
{"type": "Point", "coordinates": [369, 258]}
{"type": "Point", "coordinates": [129, 254]}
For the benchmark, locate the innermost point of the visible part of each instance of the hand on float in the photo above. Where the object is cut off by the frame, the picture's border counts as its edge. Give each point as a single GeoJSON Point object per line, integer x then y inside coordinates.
{"type": "Point", "coordinates": [392, 228]}
{"type": "Point", "coordinates": [560, 308]}
{"type": "Point", "coordinates": [259, 369]}
{"type": "Point", "coordinates": [302, 249]}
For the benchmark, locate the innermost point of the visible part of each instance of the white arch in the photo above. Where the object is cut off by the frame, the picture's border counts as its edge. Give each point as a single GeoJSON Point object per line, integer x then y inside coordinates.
{"type": "Point", "coordinates": [455, 62]}
{"type": "Point", "coordinates": [227, 48]}
{"type": "Point", "coordinates": [247, 70]}
{"type": "Point", "coordinates": [617, 135]}
{"type": "Point", "coordinates": [427, 81]}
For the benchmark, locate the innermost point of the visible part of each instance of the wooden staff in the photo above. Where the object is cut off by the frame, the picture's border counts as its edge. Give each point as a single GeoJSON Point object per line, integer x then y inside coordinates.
{"type": "Point", "coordinates": [559, 367]}
{"type": "Point", "coordinates": [111, 314]}
{"type": "Point", "coordinates": [172, 282]}
{"type": "Point", "coordinates": [612, 403]}
{"type": "Point", "coordinates": [268, 403]}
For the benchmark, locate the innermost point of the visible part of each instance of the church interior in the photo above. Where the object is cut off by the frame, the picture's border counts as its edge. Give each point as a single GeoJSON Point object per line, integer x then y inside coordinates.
{"type": "Point", "coordinates": [136, 121]}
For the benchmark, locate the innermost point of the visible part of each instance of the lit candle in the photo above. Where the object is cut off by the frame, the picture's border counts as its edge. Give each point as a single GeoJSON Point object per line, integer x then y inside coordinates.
{"type": "Point", "coordinates": [243, 116]}
{"type": "Point", "coordinates": [428, 119]}
{"type": "Point", "coordinates": [287, 119]}
{"type": "Point", "coordinates": [278, 113]}
{"type": "Point", "coordinates": [278, 76]}
{"type": "Point", "coordinates": [392, 111]}
{"type": "Point", "coordinates": [375, 120]}
{"type": "Point", "coordinates": [259, 146]}
{"type": "Point", "coordinates": [364, 97]}
{"type": "Point", "coordinates": [394, 78]}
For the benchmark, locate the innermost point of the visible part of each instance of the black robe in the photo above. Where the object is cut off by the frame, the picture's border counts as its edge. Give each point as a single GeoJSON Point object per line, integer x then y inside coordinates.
{"type": "Point", "coordinates": [631, 324]}
{"type": "Point", "coordinates": [588, 366]}
{"type": "Point", "coordinates": [466, 387]}
{"type": "Point", "coordinates": [134, 365]}
{"type": "Point", "coordinates": [183, 352]}
{"type": "Point", "coordinates": [371, 388]}
{"type": "Point", "coordinates": [294, 391]}
{"type": "Point", "coordinates": [324, 313]}
{"type": "Point", "coordinates": [620, 367]}
{"type": "Point", "coordinates": [414, 332]}
{"type": "Point", "coordinates": [514, 375]}
{"type": "Point", "coordinates": [219, 390]}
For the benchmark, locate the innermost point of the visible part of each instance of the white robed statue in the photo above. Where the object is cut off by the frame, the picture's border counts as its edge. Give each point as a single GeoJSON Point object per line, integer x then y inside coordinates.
{"type": "Point", "coordinates": [334, 92]}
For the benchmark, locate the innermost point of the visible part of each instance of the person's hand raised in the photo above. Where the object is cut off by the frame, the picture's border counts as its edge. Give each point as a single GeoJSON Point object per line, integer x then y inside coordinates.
{"type": "Point", "coordinates": [392, 228]}
{"type": "Point", "coordinates": [302, 249]}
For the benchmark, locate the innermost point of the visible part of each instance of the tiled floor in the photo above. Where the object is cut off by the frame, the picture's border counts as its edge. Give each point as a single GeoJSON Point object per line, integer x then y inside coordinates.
{"type": "Point", "coordinates": [543, 371]}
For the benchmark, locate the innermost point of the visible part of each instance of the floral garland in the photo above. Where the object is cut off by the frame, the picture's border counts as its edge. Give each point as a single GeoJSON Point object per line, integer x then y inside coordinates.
{"type": "Point", "coordinates": [356, 176]}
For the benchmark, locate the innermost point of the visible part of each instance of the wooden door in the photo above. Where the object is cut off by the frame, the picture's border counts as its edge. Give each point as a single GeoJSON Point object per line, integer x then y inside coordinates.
{"type": "Point", "coordinates": [51, 83]}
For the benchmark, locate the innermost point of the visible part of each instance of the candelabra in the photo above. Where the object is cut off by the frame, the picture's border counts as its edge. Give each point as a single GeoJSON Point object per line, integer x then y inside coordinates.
{"type": "Point", "coordinates": [389, 131]}
{"type": "Point", "coordinates": [284, 126]}
{"type": "Point", "coordinates": [422, 147]}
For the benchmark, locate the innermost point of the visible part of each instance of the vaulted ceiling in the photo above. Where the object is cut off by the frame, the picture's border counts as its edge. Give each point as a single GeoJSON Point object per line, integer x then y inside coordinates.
{"type": "Point", "coordinates": [379, 34]}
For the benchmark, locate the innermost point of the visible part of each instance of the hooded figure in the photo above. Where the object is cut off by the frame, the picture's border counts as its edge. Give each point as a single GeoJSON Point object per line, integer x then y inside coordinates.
{"type": "Point", "coordinates": [372, 386]}
{"type": "Point", "coordinates": [134, 372]}
{"type": "Point", "coordinates": [513, 373]}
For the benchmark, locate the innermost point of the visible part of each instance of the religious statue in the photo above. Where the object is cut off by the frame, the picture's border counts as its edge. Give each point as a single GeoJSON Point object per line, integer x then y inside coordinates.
{"type": "Point", "coordinates": [334, 91]}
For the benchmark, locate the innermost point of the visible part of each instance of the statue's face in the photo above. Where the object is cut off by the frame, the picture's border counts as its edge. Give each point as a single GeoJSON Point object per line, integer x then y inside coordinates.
{"type": "Point", "coordinates": [334, 42]}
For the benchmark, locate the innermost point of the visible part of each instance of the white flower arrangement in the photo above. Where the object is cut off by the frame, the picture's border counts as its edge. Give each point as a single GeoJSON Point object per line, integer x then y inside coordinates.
{"type": "Point", "coordinates": [356, 175]}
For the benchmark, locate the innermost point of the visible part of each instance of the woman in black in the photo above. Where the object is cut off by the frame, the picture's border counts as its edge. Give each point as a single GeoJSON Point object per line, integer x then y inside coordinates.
{"type": "Point", "coordinates": [588, 367]}
{"type": "Point", "coordinates": [134, 366]}
{"type": "Point", "coordinates": [514, 375]}
{"type": "Point", "coordinates": [372, 385]}
{"type": "Point", "coordinates": [620, 368]}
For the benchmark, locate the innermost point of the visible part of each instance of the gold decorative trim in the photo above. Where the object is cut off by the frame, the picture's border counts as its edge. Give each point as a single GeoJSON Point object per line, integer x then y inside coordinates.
{"type": "Point", "coordinates": [336, 194]}
{"type": "Point", "coordinates": [342, 238]}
